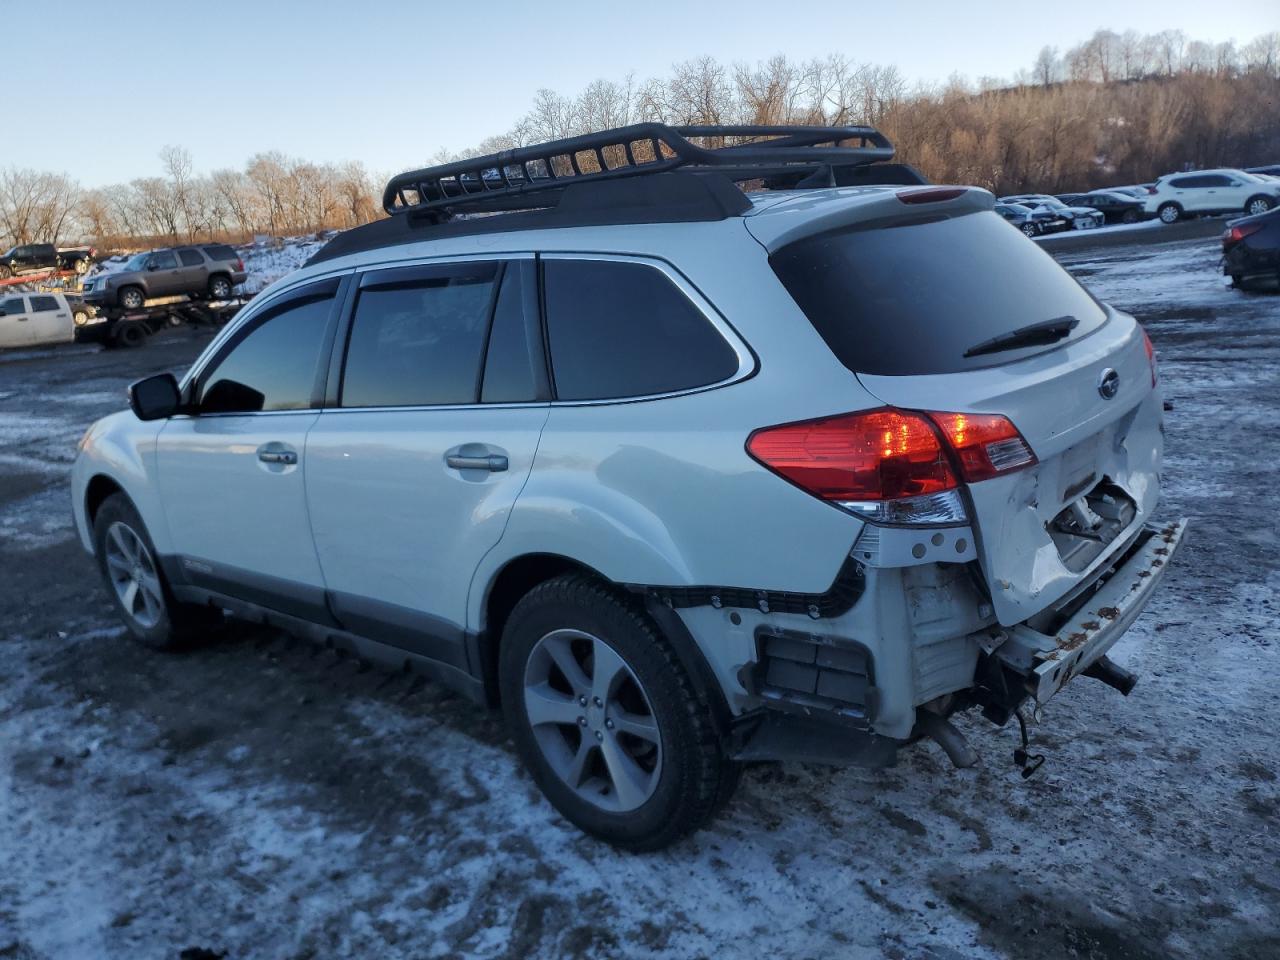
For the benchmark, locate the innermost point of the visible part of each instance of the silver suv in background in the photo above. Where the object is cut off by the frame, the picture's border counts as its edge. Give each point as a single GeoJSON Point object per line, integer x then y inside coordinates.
{"type": "Point", "coordinates": [200, 270]}
{"type": "Point", "coordinates": [677, 478]}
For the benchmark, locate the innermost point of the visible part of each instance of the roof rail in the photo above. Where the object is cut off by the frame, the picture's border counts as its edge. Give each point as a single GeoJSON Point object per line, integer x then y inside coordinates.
{"type": "Point", "coordinates": [521, 179]}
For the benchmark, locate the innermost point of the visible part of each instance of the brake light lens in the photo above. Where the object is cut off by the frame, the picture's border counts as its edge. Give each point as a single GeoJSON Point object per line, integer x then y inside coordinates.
{"type": "Point", "coordinates": [930, 194]}
{"type": "Point", "coordinates": [1151, 353]}
{"type": "Point", "coordinates": [892, 466]}
{"type": "Point", "coordinates": [1236, 234]}
{"type": "Point", "coordinates": [239, 264]}
{"type": "Point", "coordinates": [985, 444]}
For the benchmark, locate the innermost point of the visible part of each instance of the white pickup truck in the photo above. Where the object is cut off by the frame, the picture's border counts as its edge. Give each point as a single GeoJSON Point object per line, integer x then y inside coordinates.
{"type": "Point", "coordinates": [35, 319]}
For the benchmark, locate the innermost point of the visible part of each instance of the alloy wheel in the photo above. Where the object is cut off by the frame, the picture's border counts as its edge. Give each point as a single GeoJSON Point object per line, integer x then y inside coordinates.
{"type": "Point", "coordinates": [592, 720]}
{"type": "Point", "coordinates": [133, 575]}
{"type": "Point", "coordinates": [1259, 205]}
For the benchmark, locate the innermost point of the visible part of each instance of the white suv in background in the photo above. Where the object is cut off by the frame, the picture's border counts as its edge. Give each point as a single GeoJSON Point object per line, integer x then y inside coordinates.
{"type": "Point", "coordinates": [678, 478]}
{"type": "Point", "coordinates": [1210, 191]}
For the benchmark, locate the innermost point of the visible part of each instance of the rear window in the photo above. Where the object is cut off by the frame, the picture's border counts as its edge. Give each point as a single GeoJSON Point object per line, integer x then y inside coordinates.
{"type": "Point", "coordinates": [912, 299]}
{"type": "Point", "coordinates": [220, 251]}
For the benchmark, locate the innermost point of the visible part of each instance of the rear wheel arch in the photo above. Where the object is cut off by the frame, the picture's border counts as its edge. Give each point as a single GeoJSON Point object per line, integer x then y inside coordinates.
{"type": "Point", "coordinates": [1260, 199]}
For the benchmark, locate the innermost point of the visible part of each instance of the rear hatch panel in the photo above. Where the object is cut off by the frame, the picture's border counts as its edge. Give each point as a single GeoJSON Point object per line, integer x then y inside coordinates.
{"type": "Point", "coordinates": [1094, 453]}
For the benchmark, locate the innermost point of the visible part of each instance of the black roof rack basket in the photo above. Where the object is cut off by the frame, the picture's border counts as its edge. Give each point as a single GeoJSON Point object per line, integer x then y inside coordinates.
{"type": "Point", "coordinates": [528, 178]}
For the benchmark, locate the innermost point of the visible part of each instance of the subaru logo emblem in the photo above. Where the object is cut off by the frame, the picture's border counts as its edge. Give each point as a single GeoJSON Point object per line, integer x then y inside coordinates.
{"type": "Point", "coordinates": [1108, 384]}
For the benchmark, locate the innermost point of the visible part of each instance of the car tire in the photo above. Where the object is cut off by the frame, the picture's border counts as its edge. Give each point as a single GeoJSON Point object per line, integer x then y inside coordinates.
{"type": "Point", "coordinates": [80, 318]}
{"type": "Point", "coordinates": [1129, 216]}
{"type": "Point", "coordinates": [1258, 204]}
{"type": "Point", "coordinates": [136, 582]}
{"type": "Point", "coordinates": [219, 288]}
{"type": "Point", "coordinates": [1030, 230]}
{"type": "Point", "coordinates": [132, 298]}
{"type": "Point", "coordinates": [131, 334]}
{"type": "Point", "coordinates": [1169, 213]}
{"type": "Point", "coordinates": [580, 656]}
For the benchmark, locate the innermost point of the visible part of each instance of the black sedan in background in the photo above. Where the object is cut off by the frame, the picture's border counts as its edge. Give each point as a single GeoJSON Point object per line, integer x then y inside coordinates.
{"type": "Point", "coordinates": [1115, 206]}
{"type": "Point", "coordinates": [1032, 222]}
{"type": "Point", "coordinates": [1251, 248]}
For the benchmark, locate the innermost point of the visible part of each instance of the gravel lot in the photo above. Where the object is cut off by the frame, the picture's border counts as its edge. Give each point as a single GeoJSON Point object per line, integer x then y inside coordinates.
{"type": "Point", "coordinates": [259, 799]}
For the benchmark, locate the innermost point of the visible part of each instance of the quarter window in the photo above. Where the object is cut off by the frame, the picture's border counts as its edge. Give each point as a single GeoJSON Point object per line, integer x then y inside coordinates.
{"type": "Point", "coordinates": [620, 330]}
{"type": "Point", "coordinates": [274, 366]}
{"type": "Point", "coordinates": [190, 258]}
{"type": "Point", "coordinates": [419, 341]}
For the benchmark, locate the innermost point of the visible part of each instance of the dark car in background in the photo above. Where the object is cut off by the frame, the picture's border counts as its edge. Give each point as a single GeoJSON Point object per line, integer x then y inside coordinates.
{"type": "Point", "coordinates": [1080, 218]}
{"type": "Point", "coordinates": [1115, 207]}
{"type": "Point", "coordinates": [205, 270]}
{"type": "Point", "coordinates": [1032, 222]}
{"type": "Point", "coordinates": [34, 257]}
{"type": "Point", "coordinates": [1251, 248]}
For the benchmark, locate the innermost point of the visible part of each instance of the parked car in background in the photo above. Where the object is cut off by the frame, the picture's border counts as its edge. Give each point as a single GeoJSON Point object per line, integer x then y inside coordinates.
{"type": "Point", "coordinates": [1251, 248]}
{"type": "Point", "coordinates": [1271, 170]}
{"type": "Point", "coordinates": [1115, 207]}
{"type": "Point", "coordinates": [81, 312]}
{"type": "Point", "coordinates": [1080, 218]}
{"type": "Point", "coordinates": [205, 270]}
{"type": "Point", "coordinates": [1032, 222]}
{"type": "Point", "coordinates": [36, 257]}
{"type": "Point", "coordinates": [1179, 195]}
{"type": "Point", "coordinates": [33, 319]}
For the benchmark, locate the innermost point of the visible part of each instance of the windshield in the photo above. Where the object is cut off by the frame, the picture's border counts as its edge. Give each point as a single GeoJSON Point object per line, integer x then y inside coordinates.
{"type": "Point", "coordinates": [912, 299]}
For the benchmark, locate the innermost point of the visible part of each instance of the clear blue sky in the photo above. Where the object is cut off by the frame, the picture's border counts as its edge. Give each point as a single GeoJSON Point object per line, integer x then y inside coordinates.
{"type": "Point", "coordinates": [390, 82]}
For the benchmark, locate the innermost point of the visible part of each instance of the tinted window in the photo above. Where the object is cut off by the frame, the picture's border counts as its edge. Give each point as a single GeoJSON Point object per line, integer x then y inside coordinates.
{"type": "Point", "coordinates": [41, 304]}
{"type": "Point", "coordinates": [12, 306]}
{"type": "Point", "coordinates": [1186, 183]}
{"type": "Point", "coordinates": [514, 346]}
{"type": "Point", "coordinates": [163, 260]}
{"type": "Point", "coordinates": [190, 258]}
{"type": "Point", "coordinates": [220, 251]}
{"type": "Point", "coordinates": [913, 299]}
{"type": "Point", "coordinates": [625, 330]}
{"type": "Point", "coordinates": [274, 366]}
{"type": "Point", "coordinates": [1216, 180]}
{"type": "Point", "coordinates": [419, 342]}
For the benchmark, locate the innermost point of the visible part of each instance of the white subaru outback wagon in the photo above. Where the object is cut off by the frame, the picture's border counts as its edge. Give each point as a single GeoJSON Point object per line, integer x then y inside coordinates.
{"type": "Point", "coordinates": [678, 478]}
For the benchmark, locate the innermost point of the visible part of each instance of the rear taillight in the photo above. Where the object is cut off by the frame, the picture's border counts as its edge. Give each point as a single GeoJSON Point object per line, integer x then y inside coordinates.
{"type": "Point", "coordinates": [891, 466]}
{"type": "Point", "coordinates": [239, 265]}
{"type": "Point", "coordinates": [1151, 354]}
{"type": "Point", "coordinates": [1151, 191]}
{"type": "Point", "coordinates": [986, 444]}
{"type": "Point", "coordinates": [1236, 234]}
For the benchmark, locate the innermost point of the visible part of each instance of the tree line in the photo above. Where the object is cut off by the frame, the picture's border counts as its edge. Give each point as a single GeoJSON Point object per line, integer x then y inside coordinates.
{"type": "Point", "coordinates": [1118, 108]}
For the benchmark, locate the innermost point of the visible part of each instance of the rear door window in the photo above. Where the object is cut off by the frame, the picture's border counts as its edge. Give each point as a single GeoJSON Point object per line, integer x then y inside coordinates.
{"type": "Point", "coordinates": [418, 336]}
{"type": "Point", "coordinates": [621, 329]}
{"type": "Point", "coordinates": [190, 258]}
{"type": "Point", "coordinates": [43, 304]}
{"type": "Point", "coordinates": [912, 299]}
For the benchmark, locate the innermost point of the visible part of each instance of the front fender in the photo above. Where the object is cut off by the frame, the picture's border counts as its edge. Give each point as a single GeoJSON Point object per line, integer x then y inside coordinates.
{"type": "Point", "coordinates": [122, 449]}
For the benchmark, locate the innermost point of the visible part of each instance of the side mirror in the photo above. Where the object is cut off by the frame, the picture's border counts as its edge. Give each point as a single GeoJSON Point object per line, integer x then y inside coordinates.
{"type": "Point", "coordinates": [155, 397]}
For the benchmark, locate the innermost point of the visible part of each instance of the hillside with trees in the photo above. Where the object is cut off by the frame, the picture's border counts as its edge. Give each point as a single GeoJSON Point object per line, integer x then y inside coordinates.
{"type": "Point", "coordinates": [1119, 108]}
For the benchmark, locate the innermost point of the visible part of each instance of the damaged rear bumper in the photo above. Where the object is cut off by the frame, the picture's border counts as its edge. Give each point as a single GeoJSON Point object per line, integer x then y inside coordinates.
{"type": "Point", "coordinates": [1048, 661]}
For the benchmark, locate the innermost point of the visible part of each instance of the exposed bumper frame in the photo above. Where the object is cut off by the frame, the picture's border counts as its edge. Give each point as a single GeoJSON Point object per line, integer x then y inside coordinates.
{"type": "Point", "coordinates": [1095, 628]}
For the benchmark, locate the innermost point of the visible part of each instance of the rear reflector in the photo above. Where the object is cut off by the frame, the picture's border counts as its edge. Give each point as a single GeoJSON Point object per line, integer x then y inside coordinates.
{"type": "Point", "coordinates": [986, 444]}
{"type": "Point", "coordinates": [930, 195]}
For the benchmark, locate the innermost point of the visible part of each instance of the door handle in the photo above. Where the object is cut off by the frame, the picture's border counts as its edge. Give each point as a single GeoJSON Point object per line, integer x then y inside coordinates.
{"type": "Point", "coordinates": [494, 463]}
{"type": "Point", "coordinates": [277, 456]}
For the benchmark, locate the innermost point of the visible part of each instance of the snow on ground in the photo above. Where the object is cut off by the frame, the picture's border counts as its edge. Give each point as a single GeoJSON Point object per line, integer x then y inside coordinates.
{"type": "Point", "coordinates": [260, 798]}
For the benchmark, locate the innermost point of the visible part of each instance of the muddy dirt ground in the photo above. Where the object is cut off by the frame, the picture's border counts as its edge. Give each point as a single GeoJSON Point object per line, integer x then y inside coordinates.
{"type": "Point", "coordinates": [256, 798]}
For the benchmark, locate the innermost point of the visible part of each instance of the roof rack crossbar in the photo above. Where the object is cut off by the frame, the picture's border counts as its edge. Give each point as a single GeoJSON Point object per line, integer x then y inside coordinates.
{"type": "Point", "coordinates": [755, 152]}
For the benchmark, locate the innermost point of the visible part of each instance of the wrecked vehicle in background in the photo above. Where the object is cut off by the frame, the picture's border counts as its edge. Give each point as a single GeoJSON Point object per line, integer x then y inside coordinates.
{"type": "Point", "coordinates": [678, 477]}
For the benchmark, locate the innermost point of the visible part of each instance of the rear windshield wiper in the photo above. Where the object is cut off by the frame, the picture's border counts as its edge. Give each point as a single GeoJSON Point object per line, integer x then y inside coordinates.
{"type": "Point", "coordinates": [1035, 335]}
